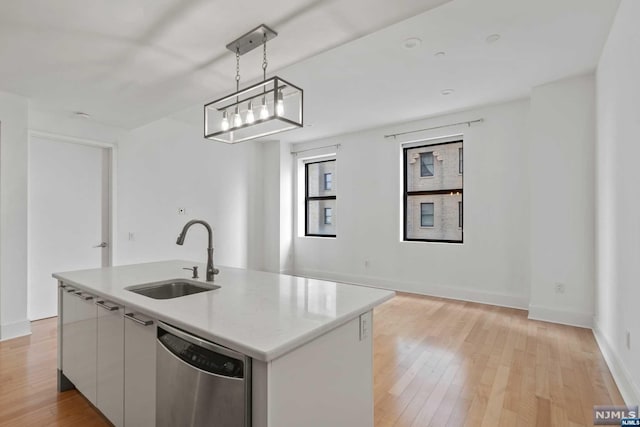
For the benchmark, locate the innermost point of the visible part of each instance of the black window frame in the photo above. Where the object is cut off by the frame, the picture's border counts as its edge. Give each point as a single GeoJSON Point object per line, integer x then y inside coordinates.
{"type": "Point", "coordinates": [407, 194]}
{"type": "Point", "coordinates": [307, 199]}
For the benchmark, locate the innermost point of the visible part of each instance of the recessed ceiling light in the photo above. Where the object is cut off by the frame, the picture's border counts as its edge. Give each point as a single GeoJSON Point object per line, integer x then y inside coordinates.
{"type": "Point", "coordinates": [82, 115]}
{"type": "Point", "coordinates": [493, 38]}
{"type": "Point", "coordinates": [447, 91]}
{"type": "Point", "coordinates": [440, 54]}
{"type": "Point", "coordinates": [411, 43]}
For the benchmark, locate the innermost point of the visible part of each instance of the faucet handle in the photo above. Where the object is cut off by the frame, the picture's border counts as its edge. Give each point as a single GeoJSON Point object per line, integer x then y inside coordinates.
{"type": "Point", "coordinates": [194, 269]}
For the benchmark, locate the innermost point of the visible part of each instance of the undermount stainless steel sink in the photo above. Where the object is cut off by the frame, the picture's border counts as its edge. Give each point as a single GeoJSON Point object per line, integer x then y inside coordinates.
{"type": "Point", "coordinates": [175, 288]}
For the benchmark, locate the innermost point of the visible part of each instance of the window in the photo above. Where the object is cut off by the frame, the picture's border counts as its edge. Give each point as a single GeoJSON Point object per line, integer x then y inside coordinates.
{"type": "Point", "coordinates": [328, 181]}
{"type": "Point", "coordinates": [328, 215]}
{"type": "Point", "coordinates": [426, 164]}
{"type": "Point", "coordinates": [433, 207]}
{"type": "Point", "coordinates": [320, 198]}
{"type": "Point", "coordinates": [426, 214]}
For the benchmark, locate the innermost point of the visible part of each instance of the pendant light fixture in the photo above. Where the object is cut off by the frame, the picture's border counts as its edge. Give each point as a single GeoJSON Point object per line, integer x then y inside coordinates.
{"type": "Point", "coordinates": [266, 108]}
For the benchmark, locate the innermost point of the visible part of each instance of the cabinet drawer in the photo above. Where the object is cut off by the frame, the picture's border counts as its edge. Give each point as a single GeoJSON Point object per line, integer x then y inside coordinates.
{"type": "Point", "coordinates": [79, 341]}
{"type": "Point", "coordinates": [110, 370]}
{"type": "Point", "coordinates": [139, 370]}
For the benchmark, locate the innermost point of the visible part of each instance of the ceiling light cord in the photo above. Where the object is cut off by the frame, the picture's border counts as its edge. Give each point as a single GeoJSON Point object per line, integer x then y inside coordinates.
{"type": "Point", "coordinates": [237, 120]}
{"type": "Point", "coordinates": [264, 58]}
{"type": "Point", "coordinates": [237, 69]}
{"type": "Point", "coordinates": [264, 111]}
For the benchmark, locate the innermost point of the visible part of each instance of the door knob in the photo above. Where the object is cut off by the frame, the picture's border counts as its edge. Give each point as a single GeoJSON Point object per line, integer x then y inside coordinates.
{"type": "Point", "coordinates": [101, 245]}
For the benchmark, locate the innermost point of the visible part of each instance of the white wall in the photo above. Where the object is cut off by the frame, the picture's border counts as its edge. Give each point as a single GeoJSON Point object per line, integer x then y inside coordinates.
{"type": "Point", "coordinates": [493, 263]}
{"type": "Point", "coordinates": [13, 216]}
{"type": "Point", "coordinates": [278, 206]}
{"type": "Point", "coordinates": [287, 189]}
{"type": "Point", "coordinates": [561, 170]}
{"type": "Point", "coordinates": [72, 126]}
{"type": "Point", "coordinates": [168, 165]}
{"type": "Point", "coordinates": [271, 200]}
{"type": "Point", "coordinates": [618, 204]}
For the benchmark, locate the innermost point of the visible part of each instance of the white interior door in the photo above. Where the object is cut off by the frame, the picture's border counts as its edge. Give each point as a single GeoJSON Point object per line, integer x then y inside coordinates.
{"type": "Point", "coordinates": [68, 216]}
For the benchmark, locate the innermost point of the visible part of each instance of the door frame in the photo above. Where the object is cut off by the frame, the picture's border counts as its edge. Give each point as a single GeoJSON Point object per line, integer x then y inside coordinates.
{"type": "Point", "coordinates": [112, 157]}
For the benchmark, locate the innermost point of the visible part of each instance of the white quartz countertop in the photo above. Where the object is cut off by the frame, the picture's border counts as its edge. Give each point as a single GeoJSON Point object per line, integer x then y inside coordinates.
{"type": "Point", "coordinates": [263, 315]}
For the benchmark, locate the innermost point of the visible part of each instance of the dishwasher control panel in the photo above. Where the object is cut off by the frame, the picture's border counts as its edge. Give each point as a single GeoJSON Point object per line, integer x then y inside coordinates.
{"type": "Point", "coordinates": [201, 358]}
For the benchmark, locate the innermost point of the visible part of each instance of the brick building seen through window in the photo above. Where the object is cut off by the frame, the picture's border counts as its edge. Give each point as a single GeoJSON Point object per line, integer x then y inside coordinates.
{"type": "Point", "coordinates": [320, 198]}
{"type": "Point", "coordinates": [433, 188]}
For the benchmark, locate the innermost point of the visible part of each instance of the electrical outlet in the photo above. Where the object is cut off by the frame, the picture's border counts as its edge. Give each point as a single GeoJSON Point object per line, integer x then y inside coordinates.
{"type": "Point", "coordinates": [559, 288]}
{"type": "Point", "coordinates": [628, 340]}
{"type": "Point", "coordinates": [366, 263]}
{"type": "Point", "coordinates": [132, 236]}
{"type": "Point", "coordinates": [182, 211]}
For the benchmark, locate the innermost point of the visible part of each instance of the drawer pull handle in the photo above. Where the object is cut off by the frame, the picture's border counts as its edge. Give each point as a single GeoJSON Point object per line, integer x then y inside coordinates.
{"type": "Point", "coordinates": [140, 321]}
{"type": "Point", "coordinates": [84, 296]}
{"type": "Point", "coordinates": [71, 290]}
{"type": "Point", "coordinates": [106, 306]}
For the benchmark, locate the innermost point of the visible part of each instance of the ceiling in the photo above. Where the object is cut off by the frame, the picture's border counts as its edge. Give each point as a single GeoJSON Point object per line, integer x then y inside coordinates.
{"type": "Point", "coordinates": [128, 62]}
{"type": "Point", "coordinates": [375, 81]}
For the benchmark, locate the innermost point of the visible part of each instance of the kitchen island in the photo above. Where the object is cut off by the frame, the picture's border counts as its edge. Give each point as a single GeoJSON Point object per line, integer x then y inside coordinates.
{"type": "Point", "coordinates": [306, 344]}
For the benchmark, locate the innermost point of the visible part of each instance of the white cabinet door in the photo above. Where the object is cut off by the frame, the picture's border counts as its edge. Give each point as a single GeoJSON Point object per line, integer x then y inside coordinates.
{"type": "Point", "coordinates": [110, 372]}
{"type": "Point", "coordinates": [139, 370]}
{"type": "Point", "coordinates": [79, 341]}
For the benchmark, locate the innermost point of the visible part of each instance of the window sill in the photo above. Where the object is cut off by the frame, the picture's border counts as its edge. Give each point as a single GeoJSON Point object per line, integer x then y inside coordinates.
{"type": "Point", "coordinates": [445, 242]}
{"type": "Point", "coordinates": [318, 236]}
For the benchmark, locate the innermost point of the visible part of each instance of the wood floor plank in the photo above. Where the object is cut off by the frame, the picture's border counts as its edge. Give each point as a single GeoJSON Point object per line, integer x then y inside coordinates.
{"type": "Point", "coordinates": [437, 363]}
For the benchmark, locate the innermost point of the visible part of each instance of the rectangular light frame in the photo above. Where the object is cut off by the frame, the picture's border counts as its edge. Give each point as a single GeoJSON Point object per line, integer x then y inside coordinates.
{"type": "Point", "coordinates": [273, 124]}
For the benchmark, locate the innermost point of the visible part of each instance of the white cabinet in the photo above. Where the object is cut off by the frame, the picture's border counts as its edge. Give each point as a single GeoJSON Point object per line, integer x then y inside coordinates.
{"type": "Point", "coordinates": [139, 370]}
{"type": "Point", "coordinates": [79, 326]}
{"type": "Point", "coordinates": [109, 354]}
{"type": "Point", "coordinates": [110, 362]}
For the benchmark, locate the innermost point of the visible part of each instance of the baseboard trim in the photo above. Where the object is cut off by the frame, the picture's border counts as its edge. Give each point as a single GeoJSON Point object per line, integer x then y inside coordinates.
{"type": "Point", "coordinates": [628, 389]}
{"type": "Point", "coordinates": [564, 317]}
{"type": "Point", "coordinates": [463, 294]}
{"type": "Point", "coordinates": [14, 330]}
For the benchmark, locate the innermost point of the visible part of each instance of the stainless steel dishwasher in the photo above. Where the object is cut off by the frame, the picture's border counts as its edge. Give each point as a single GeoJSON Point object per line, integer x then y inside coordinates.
{"type": "Point", "coordinates": [200, 383]}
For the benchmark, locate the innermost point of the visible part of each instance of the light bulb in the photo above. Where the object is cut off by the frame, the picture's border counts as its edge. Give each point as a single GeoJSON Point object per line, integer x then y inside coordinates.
{"type": "Point", "coordinates": [250, 118]}
{"type": "Point", "coordinates": [237, 120]}
{"type": "Point", "coordinates": [280, 104]}
{"type": "Point", "coordinates": [225, 121]}
{"type": "Point", "coordinates": [264, 111]}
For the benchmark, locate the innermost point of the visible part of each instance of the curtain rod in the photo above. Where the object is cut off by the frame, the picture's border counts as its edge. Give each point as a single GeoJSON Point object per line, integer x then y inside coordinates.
{"type": "Point", "coordinates": [468, 123]}
{"type": "Point", "coordinates": [316, 148]}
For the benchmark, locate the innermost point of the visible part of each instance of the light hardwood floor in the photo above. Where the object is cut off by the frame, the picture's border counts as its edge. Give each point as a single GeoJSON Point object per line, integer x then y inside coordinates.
{"type": "Point", "coordinates": [437, 363]}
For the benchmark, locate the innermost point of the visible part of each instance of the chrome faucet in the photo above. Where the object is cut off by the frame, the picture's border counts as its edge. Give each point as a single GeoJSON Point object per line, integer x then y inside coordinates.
{"type": "Point", "coordinates": [210, 270]}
